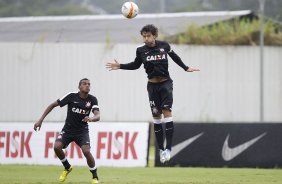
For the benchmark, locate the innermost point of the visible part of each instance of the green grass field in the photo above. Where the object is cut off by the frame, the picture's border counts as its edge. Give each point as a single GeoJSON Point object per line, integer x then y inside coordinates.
{"type": "Point", "coordinates": [23, 174]}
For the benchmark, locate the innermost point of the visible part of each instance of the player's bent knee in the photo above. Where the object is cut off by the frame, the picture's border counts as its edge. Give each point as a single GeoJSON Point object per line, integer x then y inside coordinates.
{"type": "Point", "coordinates": [156, 112]}
{"type": "Point", "coordinates": [86, 150]}
{"type": "Point", "coordinates": [156, 115]}
{"type": "Point", "coordinates": [166, 113]}
{"type": "Point", "coordinates": [58, 146]}
{"type": "Point", "coordinates": [86, 153]}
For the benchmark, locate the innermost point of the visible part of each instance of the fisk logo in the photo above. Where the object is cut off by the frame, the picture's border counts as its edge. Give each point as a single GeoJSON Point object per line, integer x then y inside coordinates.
{"type": "Point", "coordinates": [117, 145]}
{"type": "Point", "coordinates": [15, 144]}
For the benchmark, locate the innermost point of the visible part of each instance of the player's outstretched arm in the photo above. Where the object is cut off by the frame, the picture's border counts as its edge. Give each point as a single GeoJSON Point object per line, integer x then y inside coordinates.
{"type": "Point", "coordinates": [113, 65]}
{"type": "Point", "coordinates": [192, 69]}
{"type": "Point", "coordinates": [38, 124]}
{"type": "Point", "coordinates": [128, 66]}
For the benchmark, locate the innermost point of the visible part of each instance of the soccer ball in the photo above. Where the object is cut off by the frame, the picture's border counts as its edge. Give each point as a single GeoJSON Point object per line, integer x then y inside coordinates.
{"type": "Point", "coordinates": [129, 10]}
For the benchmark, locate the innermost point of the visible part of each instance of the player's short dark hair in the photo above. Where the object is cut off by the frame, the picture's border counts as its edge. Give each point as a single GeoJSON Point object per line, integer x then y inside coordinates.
{"type": "Point", "coordinates": [82, 80]}
{"type": "Point", "coordinates": [150, 28]}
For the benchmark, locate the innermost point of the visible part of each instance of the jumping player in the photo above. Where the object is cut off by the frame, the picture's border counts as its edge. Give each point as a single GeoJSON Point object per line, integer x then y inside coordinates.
{"type": "Point", "coordinates": [80, 104]}
{"type": "Point", "coordinates": [153, 55]}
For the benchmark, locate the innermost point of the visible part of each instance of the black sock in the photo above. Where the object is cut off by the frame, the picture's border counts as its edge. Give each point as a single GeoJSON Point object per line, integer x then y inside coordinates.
{"type": "Point", "coordinates": [169, 134]}
{"type": "Point", "coordinates": [66, 164]}
{"type": "Point", "coordinates": [94, 173]}
{"type": "Point", "coordinates": [158, 128]}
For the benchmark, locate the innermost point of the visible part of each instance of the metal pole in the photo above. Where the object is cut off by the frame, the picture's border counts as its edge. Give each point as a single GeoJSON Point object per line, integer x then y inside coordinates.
{"type": "Point", "coordinates": [163, 6]}
{"type": "Point", "coordinates": [261, 5]}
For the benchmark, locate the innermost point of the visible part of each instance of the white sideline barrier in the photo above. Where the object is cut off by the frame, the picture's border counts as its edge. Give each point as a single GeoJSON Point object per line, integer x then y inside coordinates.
{"type": "Point", "coordinates": [112, 144]}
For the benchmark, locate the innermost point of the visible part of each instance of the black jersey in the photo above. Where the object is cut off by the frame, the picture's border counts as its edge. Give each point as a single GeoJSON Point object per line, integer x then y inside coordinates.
{"type": "Point", "coordinates": [78, 108]}
{"type": "Point", "coordinates": [154, 59]}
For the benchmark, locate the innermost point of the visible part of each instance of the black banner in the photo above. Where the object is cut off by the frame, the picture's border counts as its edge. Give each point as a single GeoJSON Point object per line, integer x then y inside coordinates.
{"type": "Point", "coordinates": [226, 144]}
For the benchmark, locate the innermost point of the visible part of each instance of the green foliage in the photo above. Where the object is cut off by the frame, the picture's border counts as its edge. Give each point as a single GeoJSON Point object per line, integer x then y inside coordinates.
{"type": "Point", "coordinates": [67, 10]}
{"type": "Point", "coordinates": [237, 32]}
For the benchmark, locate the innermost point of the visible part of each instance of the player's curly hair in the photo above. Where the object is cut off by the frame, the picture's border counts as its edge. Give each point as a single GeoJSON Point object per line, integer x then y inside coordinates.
{"type": "Point", "coordinates": [150, 28]}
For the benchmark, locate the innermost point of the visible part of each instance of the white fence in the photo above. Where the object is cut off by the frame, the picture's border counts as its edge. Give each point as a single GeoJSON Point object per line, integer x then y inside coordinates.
{"type": "Point", "coordinates": [32, 75]}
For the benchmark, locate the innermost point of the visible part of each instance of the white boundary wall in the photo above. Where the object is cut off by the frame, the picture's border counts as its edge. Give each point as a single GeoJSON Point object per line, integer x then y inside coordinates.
{"type": "Point", "coordinates": [112, 144]}
{"type": "Point", "coordinates": [32, 75]}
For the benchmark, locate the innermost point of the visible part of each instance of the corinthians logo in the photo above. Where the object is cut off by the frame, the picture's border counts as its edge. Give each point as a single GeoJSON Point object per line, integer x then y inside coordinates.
{"type": "Point", "coordinates": [88, 104]}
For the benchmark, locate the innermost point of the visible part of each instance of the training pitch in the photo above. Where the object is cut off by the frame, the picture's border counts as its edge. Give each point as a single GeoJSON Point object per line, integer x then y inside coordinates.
{"type": "Point", "coordinates": [24, 174]}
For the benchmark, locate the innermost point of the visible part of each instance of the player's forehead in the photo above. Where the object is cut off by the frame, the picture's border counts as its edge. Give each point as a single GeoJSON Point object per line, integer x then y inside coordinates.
{"type": "Point", "coordinates": [85, 81]}
{"type": "Point", "coordinates": [147, 33]}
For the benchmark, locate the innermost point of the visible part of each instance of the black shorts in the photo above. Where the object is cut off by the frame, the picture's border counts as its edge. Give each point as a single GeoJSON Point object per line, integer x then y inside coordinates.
{"type": "Point", "coordinates": [160, 96]}
{"type": "Point", "coordinates": [80, 139]}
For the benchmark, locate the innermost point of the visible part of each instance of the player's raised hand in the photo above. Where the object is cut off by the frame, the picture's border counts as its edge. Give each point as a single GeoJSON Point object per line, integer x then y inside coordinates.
{"type": "Point", "coordinates": [113, 66]}
{"type": "Point", "coordinates": [37, 125]}
{"type": "Point", "coordinates": [192, 69]}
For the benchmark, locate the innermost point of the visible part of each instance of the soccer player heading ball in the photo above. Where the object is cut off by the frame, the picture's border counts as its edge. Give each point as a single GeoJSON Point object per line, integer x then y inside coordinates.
{"type": "Point", "coordinates": [153, 55]}
{"type": "Point", "coordinates": [80, 104]}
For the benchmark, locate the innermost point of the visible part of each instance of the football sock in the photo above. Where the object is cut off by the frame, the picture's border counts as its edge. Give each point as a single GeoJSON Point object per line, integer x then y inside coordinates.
{"type": "Point", "coordinates": [94, 172]}
{"type": "Point", "coordinates": [169, 134]}
{"type": "Point", "coordinates": [66, 163]}
{"type": "Point", "coordinates": [158, 128]}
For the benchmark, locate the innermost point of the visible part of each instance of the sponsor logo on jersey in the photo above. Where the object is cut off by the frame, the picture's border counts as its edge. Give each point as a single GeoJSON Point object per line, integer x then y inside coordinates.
{"type": "Point", "coordinates": [162, 50]}
{"type": "Point", "coordinates": [80, 111]}
{"type": "Point", "coordinates": [156, 57]}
